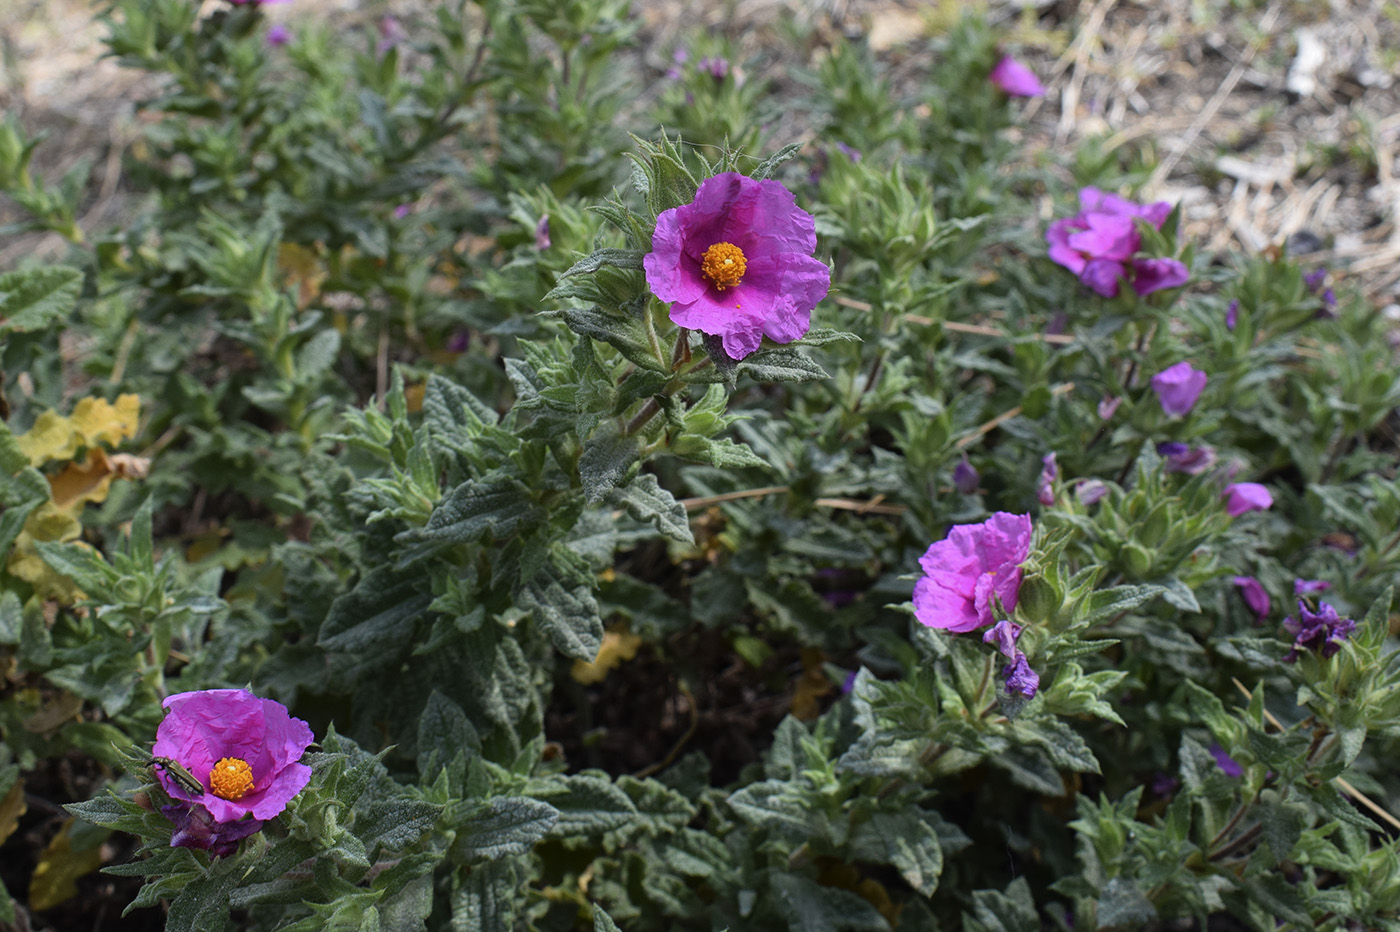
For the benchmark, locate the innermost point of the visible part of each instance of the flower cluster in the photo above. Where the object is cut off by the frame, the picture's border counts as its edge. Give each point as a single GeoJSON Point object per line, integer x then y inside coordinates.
{"type": "Point", "coordinates": [1322, 631]}
{"type": "Point", "coordinates": [243, 753]}
{"type": "Point", "coordinates": [966, 574]}
{"type": "Point", "coordinates": [1100, 244]}
{"type": "Point", "coordinates": [736, 263]}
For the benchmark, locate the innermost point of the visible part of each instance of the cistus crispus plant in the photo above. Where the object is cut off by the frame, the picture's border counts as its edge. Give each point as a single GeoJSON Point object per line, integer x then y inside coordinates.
{"type": "Point", "coordinates": [518, 469]}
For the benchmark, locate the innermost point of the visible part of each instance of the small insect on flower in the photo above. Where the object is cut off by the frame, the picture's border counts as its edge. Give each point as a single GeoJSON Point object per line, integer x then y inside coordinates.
{"type": "Point", "coordinates": [182, 777]}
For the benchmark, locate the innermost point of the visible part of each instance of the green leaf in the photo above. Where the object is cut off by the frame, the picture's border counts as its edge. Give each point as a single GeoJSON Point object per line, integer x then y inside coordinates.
{"type": "Point", "coordinates": [565, 608]}
{"type": "Point", "coordinates": [35, 299]}
{"type": "Point", "coordinates": [503, 827]}
{"type": "Point", "coordinates": [1011, 911]}
{"type": "Point", "coordinates": [485, 902]}
{"type": "Point", "coordinates": [606, 459]}
{"type": "Point", "coordinates": [379, 613]}
{"type": "Point", "coordinates": [473, 511]}
{"type": "Point", "coordinates": [602, 922]}
{"type": "Point", "coordinates": [781, 365]}
{"type": "Point", "coordinates": [905, 841]}
{"type": "Point", "coordinates": [645, 500]}
{"type": "Point", "coordinates": [445, 729]}
{"type": "Point", "coordinates": [1108, 603]}
{"type": "Point", "coordinates": [317, 354]}
{"type": "Point", "coordinates": [625, 334]}
{"type": "Point", "coordinates": [811, 907]}
{"type": "Point", "coordinates": [394, 823]}
{"type": "Point", "coordinates": [203, 904]}
{"type": "Point", "coordinates": [1122, 905]}
{"type": "Point", "coordinates": [768, 166]}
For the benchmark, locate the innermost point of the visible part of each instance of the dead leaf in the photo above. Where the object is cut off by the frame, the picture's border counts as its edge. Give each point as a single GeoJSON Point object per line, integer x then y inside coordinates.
{"type": "Point", "coordinates": [618, 645]}
{"type": "Point", "coordinates": [811, 686]}
{"type": "Point", "coordinates": [11, 808]}
{"type": "Point", "coordinates": [55, 713]}
{"type": "Point", "coordinates": [55, 876]}
{"type": "Point", "coordinates": [302, 268]}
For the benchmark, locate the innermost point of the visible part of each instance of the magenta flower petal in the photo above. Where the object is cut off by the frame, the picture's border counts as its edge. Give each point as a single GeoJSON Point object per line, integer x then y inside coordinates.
{"type": "Point", "coordinates": [1227, 764]}
{"type": "Point", "coordinates": [1151, 275]}
{"type": "Point", "coordinates": [780, 282]}
{"type": "Point", "coordinates": [1106, 236]}
{"type": "Point", "coordinates": [1254, 595]}
{"type": "Point", "coordinates": [1057, 236]}
{"type": "Point", "coordinates": [1178, 387]}
{"type": "Point", "coordinates": [1246, 496]}
{"type": "Point", "coordinates": [970, 568]}
{"type": "Point", "coordinates": [204, 727]}
{"type": "Point", "coordinates": [1102, 275]}
{"type": "Point", "coordinates": [1016, 79]}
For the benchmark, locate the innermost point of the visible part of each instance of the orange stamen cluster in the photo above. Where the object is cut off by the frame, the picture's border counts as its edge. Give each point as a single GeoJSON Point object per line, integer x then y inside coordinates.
{"type": "Point", "coordinates": [724, 265]}
{"type": "Point", "coordinates": [231, 778]}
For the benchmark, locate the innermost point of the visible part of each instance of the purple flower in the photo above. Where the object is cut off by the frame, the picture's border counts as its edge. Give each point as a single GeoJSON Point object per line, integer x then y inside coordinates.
{"type": "Point", "coordinates": [1045, 483]}
{"type": "Point", "coordinates": [1100, 242]}
{"type": "Point", "coordinates": [391, 33]}
{"type": "Point", "coordinates": [243, 750]}
{"type": "Point", "coordinates": [1164, 784]}
{"type": "Point", "coordinates": [1314, 279]}
{"type": "Point", "coordinates": [1020, 678]}
{"type": "Point", "coordinates": [1015, 79]}
{"type": "Point", "coordinates": [1254, 596]}
{"type": "Point", "coordinates": [1178, 387]}
{"type": "Point", "coordinates": [1232, 314]}
{"type": "Point", "coordinates": [966, 571]}
{"type": "Point", "coordinates": [1151, 275]}
{"type": "Point", "coordinates": [1323, 630]}
{"type": "Point", "coordinates": [1091, 491]}
{"type": "Point", "coordinates": [1227, 764]}
{"type": "Point", "coordinates": [403, 210]}
{"type": "Point", "coordinates": [278, 34]}
{"type": "Point", "coordinates": [850, 682]}
{"type": "Point", "coordinates": [1241, 497]}
{"type": "Point", "coordinates": [1003, 634]}
{"type": "Point", "coordinates": [196, 828]}
{"type": "Point", "coordinates": [1181, 458]}
{"type": "Point", "coordinates": [460, 341]}
{"type": "Point", "coordinates": [1304, 586]}
{"type": "Point", "coordinates": [542, 241]}
{"type": "Point", "coordinates": [736, 263]}
{"type": "Point", "coordinates": [965, 477]}
{"type": "Point", "coordinates": [717, 68]}
{"type": "Point", "coordinates": [678, 57]}
{"type": "Point", "coordinates": [1108, 406]}
{"type": "Point", "coordinates": [848, 151]}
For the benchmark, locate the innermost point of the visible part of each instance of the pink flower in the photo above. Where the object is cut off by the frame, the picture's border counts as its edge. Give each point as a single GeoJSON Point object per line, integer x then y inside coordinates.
{"type": "Point", "coordinates": [542, 240]}
{"type": "Point", "coordinates": [1108, 406]}
{"type": "Point", "coordinates": [1246, 496]}
{"type": "Point", "coordinates": [966, 571]}
{"type": "Point", "coordinates": [1254, 595]}
{"type": "Point", "coordinates": [278, 34]}
{"type": "Point", "coordinates": [1015, 79]}
{"type": "Point", "coordinates": [1045, 482]}
{"type": "Point", "coordinates": [1178, 387]}
{"type": "Point", "coordinates": [1101, 242]}
{"type": "Point", "coordinates": [736, 263]}
{"type": "Point", "coordinates": [1179, 457]}
{"type": "Point", "coordinates": [244, 751]}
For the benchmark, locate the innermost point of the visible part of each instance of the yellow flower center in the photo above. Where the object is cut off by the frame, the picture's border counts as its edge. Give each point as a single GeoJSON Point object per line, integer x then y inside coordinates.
{"type": "Point", "coordinates": [724, 264]}
{"type": "Point", "coordinates": [231, 778]}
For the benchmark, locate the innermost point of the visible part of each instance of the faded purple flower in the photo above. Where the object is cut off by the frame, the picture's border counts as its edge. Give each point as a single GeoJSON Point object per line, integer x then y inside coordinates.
{"type": "Point", "coordinates": [965, 477]}
{"type": "Point", "coordinates": [1227, 764]}
{"type": "Point", "coordinates": [1015, 79]}
{"type": "Point", "coordinates": [1178, 387]}
{"type": "Point", "coordinates": [1179, 457]}
{"type": "Point", "coordinates": [850, 682]}
{"type": "Point", "coordinates": [717, 68]}
{"type": "Point", "coordinates": [1314, 279]}
{"type": "Point", "coordinates": [1045, 484]}
{"type": "Point", "coordinates": [1323, 630]}
{"type": "Point", "coordinates": [403, 210]}
{"type": "Point", "coordinates": [1232, 314]}
{"type": "Point", "coordinates": [542, 241]}
{"type": "Point", "coordinates": [1163, 784]}
{"type": "Point", "coordinates": [196, 828]}
{"type": "Point", "coordinates": [972, 568]}
{"type": "Point", "coordinates": [736, 263]}
{"type": "Point", "coordinates": [1108, 406]}
{"type": "Point", "coordinates": [1304, 586]}
{"type": "Point", "coordinates": [244, 750]}
{"type": "Point", "coordinates": [1020, 678]}
{"type": "Point", "coordinates": [1099, 244]}
{"type": "Point", "coordinates": [678, 57]}
{"type": "Point", "coordinates": [1241, 497]}
{"type": "Point", "coordinates": [849, 152]}
{"type": "Point", "coordinates": [460, 341]}
{"type": "Point", "coordinates": [278, 34]}
{"type": "Point", "coordinates": [1091, 491]}
{"type": "Point", "coordinates": [1254, 596]}
{"type": "Point", "coordinates": [1003, 634]}
{"type": "Point", "coordinates": [391, 33]}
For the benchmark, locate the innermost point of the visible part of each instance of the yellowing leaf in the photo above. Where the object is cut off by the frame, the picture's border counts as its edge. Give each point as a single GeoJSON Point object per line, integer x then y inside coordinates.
{"type": "Point", "coordinates": [811, 686]}
{"type": "Point", "coordinates": [59, 868]}
{"type": "Point", "coordinates": [47, 522]}
{"type": "Point", "coordinates": [303, 269]}
{"type": "Point", "coordinates": [11, 808]}
{"type": "Point", "coordinates": [94, 422]}
{"type": "Point", "coordinates": [88, 481]}
{"type": "Point", "coordinates": [618, 645]}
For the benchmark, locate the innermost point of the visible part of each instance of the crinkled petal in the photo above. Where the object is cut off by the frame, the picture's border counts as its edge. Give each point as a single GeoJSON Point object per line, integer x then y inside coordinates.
{"type": "Point", "coordinates": [672, 275]}
{"type": "Point", "coordinates": [1151, 275]}
{"type": "Point", "coordinates": [1107, 237]}
{"type": "Point", "coordinates": [938, 606]}
{"type": "Point", "coordinates": [1102, 275]}
{"type": "Point", "coordinates": [766, 221]}
{"type": "Point", "coordinates": [1060, 251]}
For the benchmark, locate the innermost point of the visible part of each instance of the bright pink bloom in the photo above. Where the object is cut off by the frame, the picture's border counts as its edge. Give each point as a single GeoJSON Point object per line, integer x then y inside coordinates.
{"type": "Point", "coordinates": [736, 263]}
{"type": "Point", "coordinates": [255, 740]}
{"type": "Point", "coordinates": [1178, 387]}
{"type": "Point", "coordinates": [1246, 496]}
{"type": "Point", "coordinates": [1015, 79]}
{"type": "Point", "coordinates": [1100, 245]}
{"type": "Point", "coordinates": [969, 569]}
